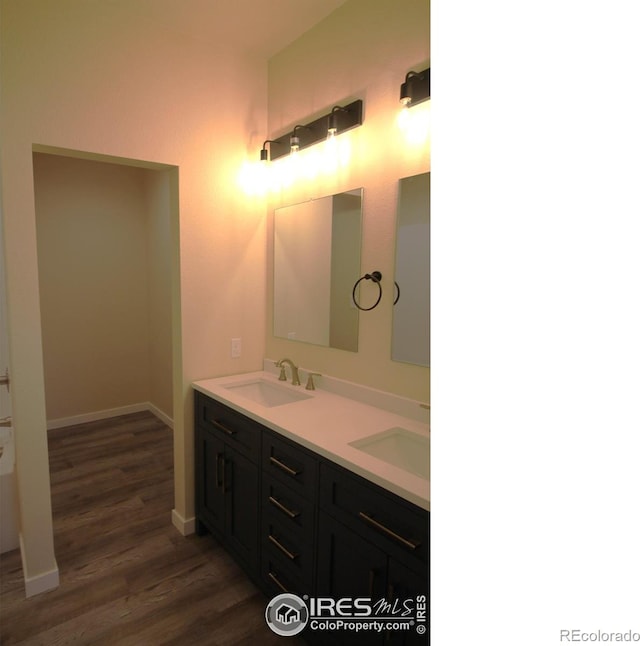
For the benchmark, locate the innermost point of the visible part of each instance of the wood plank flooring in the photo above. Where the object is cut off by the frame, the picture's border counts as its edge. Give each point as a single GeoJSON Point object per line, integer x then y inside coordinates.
{"type": "Point", "coordinates": [127, 577]}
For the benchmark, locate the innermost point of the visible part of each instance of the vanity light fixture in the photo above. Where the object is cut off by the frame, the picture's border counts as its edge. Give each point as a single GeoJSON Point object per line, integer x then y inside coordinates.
{"type": "Point", "coordinates": [264, 153]}
{"type": "Point", "coordinates": [416, 88]}
{"type": "Point", "coordinates": [340, 119]}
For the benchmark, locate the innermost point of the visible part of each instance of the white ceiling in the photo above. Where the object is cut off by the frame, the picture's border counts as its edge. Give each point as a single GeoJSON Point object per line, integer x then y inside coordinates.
{"type": "Point", "coordinates": [263, 27]}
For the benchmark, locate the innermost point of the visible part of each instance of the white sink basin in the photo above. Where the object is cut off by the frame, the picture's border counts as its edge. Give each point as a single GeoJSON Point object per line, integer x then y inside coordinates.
{"type": "Point", "coordinates": [266, 393]}
{"type": "Point", "coordinates": [401, 448]}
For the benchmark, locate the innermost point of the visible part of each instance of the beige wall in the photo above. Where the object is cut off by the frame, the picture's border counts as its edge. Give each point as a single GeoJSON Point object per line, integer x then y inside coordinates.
{"type": "Point", "coordinates": [362, 50]}
{"type": "Point", "coordinates": [105, 288]}
{"type": "Point", "coordinates": [89, 77]}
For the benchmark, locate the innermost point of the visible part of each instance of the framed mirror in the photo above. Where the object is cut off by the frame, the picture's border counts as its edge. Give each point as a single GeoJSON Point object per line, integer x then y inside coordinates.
{"type": "Point", "coordinates": [411, 312]}
{"type": "Point", "coordinates": [316, 263]}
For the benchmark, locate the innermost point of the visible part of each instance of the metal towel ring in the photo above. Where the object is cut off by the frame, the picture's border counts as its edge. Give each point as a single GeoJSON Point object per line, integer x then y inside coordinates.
{"type": "Point", "coordinates": [376, 277]}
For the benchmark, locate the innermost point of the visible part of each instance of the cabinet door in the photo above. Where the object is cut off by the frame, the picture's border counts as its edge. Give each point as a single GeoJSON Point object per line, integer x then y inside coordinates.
{"type": "Point", "coordinates": [349, 566]}
{"type": "Point", "coordinates": [403, 584]}
{"type": "Point", "coordinates": [241, 507]}
{"type": "Point", "coordinates": [210, 492]}
{"type": "Point", "coordinates": [397, 526]}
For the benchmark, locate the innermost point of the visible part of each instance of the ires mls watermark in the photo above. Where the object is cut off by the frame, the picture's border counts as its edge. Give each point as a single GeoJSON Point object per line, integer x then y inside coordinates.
{"type": "Point", "coordinates": [288, 614]}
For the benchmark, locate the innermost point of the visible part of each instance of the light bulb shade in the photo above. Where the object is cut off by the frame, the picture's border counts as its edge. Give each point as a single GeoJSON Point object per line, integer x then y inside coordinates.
{"type": "Point", "coordinates": [416, 88]}
{"type": "Point", "coordinates": [264, 153]}
{"type": "Point", "coordinates": [332, 127]}
{"type": "Point", "coordinates": [405, 97]}
{"type": "Point", "coordinates": [294, 143]}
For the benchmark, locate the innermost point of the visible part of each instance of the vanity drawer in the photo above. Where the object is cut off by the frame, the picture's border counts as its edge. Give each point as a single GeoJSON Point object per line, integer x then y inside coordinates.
{"type": "Point", "coordinates": [279, 577]}
{"type": "Point", "coordinates": [401, 528]}
{"type": "Point", "coordinates": [283, 505]}
{"type": "Point", "coordinates": [288, 549]}
{"type": "Point", "coordinates": [238, 431]}
{"type": "Point", "coordinates": [290, 464]}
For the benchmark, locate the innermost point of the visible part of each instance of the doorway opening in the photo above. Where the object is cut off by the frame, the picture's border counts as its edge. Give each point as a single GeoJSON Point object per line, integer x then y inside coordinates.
{"type": "Point", "coordinates": [106, 267]}
{"type": "Point", "coordinates": [108, 270]}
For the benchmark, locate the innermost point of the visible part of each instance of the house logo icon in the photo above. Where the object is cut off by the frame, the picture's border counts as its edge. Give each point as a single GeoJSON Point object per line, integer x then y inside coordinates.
{"type": "Point", "coordinates": [286, 615]}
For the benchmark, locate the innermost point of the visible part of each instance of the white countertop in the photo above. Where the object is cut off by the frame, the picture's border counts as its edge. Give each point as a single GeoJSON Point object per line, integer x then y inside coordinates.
{"type": "Point", "coordinates": [327, 422]}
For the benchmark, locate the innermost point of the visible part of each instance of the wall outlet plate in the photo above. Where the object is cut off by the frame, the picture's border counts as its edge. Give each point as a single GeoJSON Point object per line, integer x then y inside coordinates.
{"type": "Point", "coordinates": [236, 348]}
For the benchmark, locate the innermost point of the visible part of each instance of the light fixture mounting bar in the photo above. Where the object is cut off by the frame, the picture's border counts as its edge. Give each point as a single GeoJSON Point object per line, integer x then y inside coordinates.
{"type": "Point", "coordinates": [348, 117]}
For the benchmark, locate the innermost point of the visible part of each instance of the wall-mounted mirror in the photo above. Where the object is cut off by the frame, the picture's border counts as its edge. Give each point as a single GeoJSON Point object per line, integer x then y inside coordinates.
{"type": "Point", "coordinates": [316, 263]}
{"type": "Point", "coordinates": [411, 313]}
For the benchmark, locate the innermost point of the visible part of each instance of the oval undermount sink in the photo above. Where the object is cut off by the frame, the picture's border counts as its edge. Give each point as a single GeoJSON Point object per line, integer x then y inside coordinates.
{"type": "Point", "coordinates": [401, 448]}
{"type": "Point", "coordinates": [266, 393]}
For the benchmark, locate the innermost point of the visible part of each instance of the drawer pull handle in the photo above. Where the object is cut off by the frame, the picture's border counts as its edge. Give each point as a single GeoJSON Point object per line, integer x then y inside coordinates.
{"type": "Point", "coordinates": [228, 483]}
{"type": "Point", "coordinates": [222, 427]}
{"type": "Point", "coordinates": [275, 579]}
{"type": "Point", "coordinates": [282, 548]}
{"type": "Point", "coordinates": [283, 466]}
{"type": "Point", "coordinates": [388, 532]}
{"type": "Point", "coordinates": [220, 470]}
{"type": "Point", "coordinates": [282, 508]}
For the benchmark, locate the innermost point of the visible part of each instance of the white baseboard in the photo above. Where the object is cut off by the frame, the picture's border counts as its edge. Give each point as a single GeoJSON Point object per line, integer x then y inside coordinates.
{"type": "Point", "coordinates": [110, 412]}
{"type": "Point", "coordinates": [184, 526]}
{"type": "Point", "coordinates": [162, 416]}
{"type": "Point", "coordinates": [42, 582]}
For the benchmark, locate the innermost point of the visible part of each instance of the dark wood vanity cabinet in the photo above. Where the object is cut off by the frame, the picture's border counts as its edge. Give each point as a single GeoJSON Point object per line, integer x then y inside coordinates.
{"type": "Point", "coordinates": [227, 479]}
{"type": "Point", "coordinates": [300, 523]}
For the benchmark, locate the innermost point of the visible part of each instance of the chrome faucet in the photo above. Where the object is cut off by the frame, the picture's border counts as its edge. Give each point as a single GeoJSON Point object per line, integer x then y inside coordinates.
{"type": "Point", "coordinates": [295, 378]}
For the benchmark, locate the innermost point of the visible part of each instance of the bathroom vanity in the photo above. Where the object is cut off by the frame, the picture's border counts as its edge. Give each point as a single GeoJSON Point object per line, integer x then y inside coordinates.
{"type": "Point", "coordinates": [316, 492]}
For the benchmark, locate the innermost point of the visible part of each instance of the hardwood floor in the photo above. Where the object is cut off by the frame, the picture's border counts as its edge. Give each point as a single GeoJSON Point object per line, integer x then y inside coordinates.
{"type": "Point", "coordinates": [127, 577]}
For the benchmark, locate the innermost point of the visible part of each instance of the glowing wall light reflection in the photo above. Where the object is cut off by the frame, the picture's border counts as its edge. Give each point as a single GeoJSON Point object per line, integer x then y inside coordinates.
{"type": "Point", "coordinates": [415, 124]}
{"type": "Point", "coordinates": [283, 173]}
{"type": "Point", "coordinates": [254, 178]}
{"type": "Point", "coordinates": [260, 178]}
